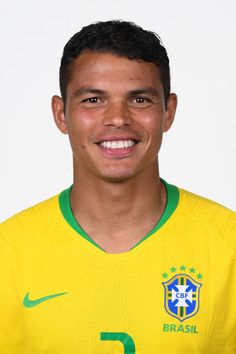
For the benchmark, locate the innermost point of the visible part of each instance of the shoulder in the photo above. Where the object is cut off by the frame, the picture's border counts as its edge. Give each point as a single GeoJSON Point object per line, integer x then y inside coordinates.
{"type": "Point", "coordinates": [213, 216]}
{"type": "Point", "coordinates": [17, 226]}
{"type": "Point", "coordinates": [205, 209]}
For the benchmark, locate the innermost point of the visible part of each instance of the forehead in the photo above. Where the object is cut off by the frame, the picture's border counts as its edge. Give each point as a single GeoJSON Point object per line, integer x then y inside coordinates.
{"type": "Point", "coordinates": [106, 69]}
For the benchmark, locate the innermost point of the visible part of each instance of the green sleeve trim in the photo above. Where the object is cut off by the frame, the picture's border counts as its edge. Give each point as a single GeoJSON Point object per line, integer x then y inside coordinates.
{"type": "Point", "coordinates": [172, 194]}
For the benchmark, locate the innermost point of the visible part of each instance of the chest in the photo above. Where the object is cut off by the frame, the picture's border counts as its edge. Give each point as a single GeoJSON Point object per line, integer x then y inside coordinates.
{"type": "Point", "coordinates": [152, 302]}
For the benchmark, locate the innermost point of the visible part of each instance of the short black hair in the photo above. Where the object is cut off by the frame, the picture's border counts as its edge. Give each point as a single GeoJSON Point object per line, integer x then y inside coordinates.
{"type": "Point", "coordinates": [121, 38]}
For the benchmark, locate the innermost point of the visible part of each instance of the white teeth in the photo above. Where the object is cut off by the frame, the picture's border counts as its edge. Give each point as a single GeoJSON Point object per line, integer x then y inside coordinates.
{"type": "Point", "coordinates": [118, 144]}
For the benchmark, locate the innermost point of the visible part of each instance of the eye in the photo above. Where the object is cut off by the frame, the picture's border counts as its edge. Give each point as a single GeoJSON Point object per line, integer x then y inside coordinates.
{"type": "Point", "coordinates": [141, 101]}
{"type": "Point", "coordinates": [90, 100]}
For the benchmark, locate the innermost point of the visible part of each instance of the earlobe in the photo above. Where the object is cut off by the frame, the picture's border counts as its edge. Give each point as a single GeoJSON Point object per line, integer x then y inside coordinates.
{"type": "Point", "coordinates": [59, 114]}
{"type": "Point", "coordinates": [170, 111]}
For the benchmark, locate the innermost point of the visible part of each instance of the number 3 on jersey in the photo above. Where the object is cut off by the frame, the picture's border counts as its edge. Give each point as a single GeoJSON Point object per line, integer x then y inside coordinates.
{"type": "Point", "coordinates": [124, 338]}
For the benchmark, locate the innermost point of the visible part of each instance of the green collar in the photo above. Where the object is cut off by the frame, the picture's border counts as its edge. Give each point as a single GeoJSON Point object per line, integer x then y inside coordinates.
{"type": "Point", "coordinates": [171, 205]}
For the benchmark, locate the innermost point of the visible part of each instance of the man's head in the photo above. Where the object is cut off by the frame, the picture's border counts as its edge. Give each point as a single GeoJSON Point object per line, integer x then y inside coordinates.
{"type": "Point", "coordinates": [116, 101]}
{"type": "Point", "coordinates": [121, 38]}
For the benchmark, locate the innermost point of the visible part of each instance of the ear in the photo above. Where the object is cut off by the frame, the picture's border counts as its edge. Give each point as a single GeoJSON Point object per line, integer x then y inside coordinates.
{"type": "Point", "coordinates": [59, 114]}
{"type": "Point", "coordinates": [170, 111]}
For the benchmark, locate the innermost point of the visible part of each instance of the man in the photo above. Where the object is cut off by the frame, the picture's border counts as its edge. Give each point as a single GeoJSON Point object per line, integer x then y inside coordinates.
{"type": "Point", "coordinates": [122, 261]}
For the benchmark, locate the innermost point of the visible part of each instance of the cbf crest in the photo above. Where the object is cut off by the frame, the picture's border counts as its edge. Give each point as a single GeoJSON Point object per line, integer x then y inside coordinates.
{"type": "Point", "coordinates": [182, 296]}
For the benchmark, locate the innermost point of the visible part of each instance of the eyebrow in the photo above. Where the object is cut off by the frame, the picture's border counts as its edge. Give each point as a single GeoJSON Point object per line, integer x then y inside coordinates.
{"type": "Point", "coordinates": [147, 90]}
{"type": "Point", "coordinates": [84, 90]}
{"type": "Point", "coordinates": [144, 90]}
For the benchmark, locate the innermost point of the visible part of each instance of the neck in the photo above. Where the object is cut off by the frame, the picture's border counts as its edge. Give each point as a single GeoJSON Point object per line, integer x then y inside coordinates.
{"type": "Point", "coordinates": [108, 211]}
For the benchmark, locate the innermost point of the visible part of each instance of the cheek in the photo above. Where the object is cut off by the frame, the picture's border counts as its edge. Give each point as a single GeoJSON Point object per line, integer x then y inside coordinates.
{"type": "Point", "coordinates": [80, 125]}
{"type": "Point", "coordinates": [151, 117]}
{"type": "Point", "coordinates": [153, 125]}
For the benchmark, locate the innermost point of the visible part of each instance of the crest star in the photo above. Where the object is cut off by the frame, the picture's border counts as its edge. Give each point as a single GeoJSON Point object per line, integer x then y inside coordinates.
{"type": "Point", "coordinates": [199, 276]}
{"type": "Point", "coordinates": [182, 267]}
{"type": "Point", "coordinates": [192, 270]}
{"type": "Point", "coordinates": [165, 275]}
{"type": "Point", "coordinates": [173, 270]}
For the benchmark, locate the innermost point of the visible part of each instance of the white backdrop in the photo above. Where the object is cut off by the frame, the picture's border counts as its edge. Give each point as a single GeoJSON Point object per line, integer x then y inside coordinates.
{"type": "Point", "coordinates": [197, 154]}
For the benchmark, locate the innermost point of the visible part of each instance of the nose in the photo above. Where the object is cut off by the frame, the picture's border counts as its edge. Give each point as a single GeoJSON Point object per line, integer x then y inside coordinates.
{"type": "Point", "coordinates": [117, 115]}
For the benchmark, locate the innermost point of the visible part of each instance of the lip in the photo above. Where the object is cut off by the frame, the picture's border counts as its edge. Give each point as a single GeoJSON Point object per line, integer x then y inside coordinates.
{"type": "Point", "coordinates": [116, 138]}
{"type": "Point", "coordinates": [117, 153]}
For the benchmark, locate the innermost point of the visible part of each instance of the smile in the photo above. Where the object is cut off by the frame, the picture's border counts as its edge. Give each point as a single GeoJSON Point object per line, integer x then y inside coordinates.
{"type": "Point", "coordinates": [117, 144]}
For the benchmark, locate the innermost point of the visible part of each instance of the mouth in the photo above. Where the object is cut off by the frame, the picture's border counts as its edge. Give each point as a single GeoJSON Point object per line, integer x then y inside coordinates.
{"type": "Point", "coordinates": [117, 147]}
{"type": "Point", "coordinates": [117, 144]}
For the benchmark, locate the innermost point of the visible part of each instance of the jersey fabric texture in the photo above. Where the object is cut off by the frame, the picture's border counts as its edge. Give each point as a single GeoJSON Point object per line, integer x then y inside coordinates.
{"type": "Point", "coordinates": [174, 292]}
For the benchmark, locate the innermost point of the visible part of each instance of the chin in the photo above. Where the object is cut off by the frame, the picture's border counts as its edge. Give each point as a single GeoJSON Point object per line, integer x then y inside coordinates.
{"type": "Point", "coordinates": [117, 177]}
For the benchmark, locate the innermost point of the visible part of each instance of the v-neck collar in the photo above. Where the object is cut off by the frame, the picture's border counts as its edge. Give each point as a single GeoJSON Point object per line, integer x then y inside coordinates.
{"type": "Point", "coordinates": [172, 194]}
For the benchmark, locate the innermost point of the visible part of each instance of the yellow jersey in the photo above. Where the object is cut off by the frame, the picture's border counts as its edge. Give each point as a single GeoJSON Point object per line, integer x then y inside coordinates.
{"type": "Point", "coordinates": [173, 293]}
